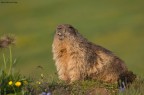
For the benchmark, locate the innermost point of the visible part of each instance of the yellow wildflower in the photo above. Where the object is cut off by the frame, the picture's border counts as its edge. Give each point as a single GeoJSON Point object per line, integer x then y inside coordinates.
{"type": "Point", "coordinates": [18, 84]}
{"type": "Point", "coordinates": [25, 82]}
{"type": "Point", "coordinates": [42, 75]}
{"type": "Point", "coordinates": [38, 82]}
{"type": "Point", "coordinates": [10, 83]}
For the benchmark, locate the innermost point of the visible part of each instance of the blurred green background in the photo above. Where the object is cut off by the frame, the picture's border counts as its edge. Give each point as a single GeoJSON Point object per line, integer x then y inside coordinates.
{"type": "Point", "coordinates": [117, 25]}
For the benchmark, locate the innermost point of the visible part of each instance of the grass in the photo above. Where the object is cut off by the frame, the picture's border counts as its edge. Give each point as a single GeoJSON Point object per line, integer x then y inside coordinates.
{"type": "Point", "coordinates": [47, 85]}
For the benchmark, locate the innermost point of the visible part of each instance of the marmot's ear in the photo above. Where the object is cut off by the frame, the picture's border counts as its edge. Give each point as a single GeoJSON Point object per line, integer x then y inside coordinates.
{"type": "Point", "coordinates": [75, 32]}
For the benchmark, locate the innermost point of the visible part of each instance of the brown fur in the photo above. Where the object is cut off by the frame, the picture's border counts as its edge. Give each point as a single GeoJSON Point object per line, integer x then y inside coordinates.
{"type": "Point", "coordinates": [77, 59]}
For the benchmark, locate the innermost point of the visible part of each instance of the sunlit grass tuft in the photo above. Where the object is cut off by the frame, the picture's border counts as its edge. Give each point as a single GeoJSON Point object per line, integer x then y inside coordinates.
{"type": "Point", "coordinates": [10, 81]}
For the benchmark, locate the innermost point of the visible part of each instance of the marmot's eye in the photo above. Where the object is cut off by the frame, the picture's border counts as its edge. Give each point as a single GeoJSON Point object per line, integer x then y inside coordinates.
{"type": "Point", "coordinates": [70, 27]}
{"type": "Point", "coordinates": [59, 28]}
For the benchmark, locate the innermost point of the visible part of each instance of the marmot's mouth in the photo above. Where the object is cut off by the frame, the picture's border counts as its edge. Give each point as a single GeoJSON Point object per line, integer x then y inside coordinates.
{"type": "Point", "coordinates": [59, 34]}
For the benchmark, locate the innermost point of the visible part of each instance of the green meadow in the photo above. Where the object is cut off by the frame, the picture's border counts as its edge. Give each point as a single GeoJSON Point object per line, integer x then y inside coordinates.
{"type": "Point", "coordinates": [117, 25]}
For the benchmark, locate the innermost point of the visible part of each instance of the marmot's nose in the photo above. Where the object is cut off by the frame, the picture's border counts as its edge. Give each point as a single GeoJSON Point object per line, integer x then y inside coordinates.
{"type": "Point", "coordinates": [60, 27]}
{"type": "Point", "coordinates": [63, 26]}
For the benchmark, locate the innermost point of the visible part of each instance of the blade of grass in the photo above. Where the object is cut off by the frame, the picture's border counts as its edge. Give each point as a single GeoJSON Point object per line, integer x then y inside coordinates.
{"type": "Point", "coordinates": [10, 59]}
{"type": "Point", "coordinates": [4, 61]}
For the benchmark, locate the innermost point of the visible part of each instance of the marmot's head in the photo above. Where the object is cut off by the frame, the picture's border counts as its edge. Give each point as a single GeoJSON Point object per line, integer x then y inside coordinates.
{"type": "Point", "coordinates": [65, 31]}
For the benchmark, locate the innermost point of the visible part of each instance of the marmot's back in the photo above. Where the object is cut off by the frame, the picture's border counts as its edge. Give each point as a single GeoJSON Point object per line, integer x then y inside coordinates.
{"type": "Point", "coordinates": [77, 59]}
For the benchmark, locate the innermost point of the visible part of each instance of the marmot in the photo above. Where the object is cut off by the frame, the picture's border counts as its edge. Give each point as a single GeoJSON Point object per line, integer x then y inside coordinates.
{"type": "Point", "coordinates": [78, 59]}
